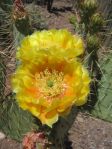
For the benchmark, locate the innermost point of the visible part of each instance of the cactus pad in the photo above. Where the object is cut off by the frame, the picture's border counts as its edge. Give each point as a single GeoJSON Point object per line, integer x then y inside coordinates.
{"type": "Point", "coordinates": [103, 107]}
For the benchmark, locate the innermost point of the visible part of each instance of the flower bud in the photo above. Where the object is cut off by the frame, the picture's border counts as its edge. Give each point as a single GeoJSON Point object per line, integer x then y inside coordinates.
{"type": "Point", "coordinates": [89, 5]}
{"type": "Point", "coordinates": [92, 42]}
{"type": "Point", "coordinates": [96, 22]}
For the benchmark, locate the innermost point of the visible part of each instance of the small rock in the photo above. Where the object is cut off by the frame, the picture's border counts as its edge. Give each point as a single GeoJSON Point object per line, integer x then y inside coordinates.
{"type": "Point", "coordinates": [80, 119]}
{"type": "Point", "coordinates": [2, 136]}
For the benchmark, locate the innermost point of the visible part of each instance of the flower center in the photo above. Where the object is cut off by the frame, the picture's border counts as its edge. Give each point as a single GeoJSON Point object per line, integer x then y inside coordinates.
{"type": "Point", "coordinates": [50, 84]}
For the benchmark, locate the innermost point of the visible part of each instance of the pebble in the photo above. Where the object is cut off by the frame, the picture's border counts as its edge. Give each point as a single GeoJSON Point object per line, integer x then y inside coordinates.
{"type": "Point", "coordinates": [80, 119]}
{"type": "Point", "coordinates": [2, 136]}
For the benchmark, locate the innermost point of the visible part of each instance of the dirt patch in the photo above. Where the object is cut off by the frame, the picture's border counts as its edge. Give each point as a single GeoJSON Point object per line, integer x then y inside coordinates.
{"type": "Point", "coordinates": [9, 144]}
{"type": "Point", "coordinates": [90, 133]}
{"type": "Point", "coordinates": [59, 16]}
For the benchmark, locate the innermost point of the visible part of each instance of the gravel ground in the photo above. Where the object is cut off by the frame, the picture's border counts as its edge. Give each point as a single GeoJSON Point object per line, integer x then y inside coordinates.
{"type": "Point", "coordinates": [90, 133]}
{"type": "Point", "coordinates": [9, 144]}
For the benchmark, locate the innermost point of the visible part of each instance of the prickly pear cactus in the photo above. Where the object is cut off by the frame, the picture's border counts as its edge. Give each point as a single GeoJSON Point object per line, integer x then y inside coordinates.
{"type": "Point", "coordinates": [100, 100]}
{"type": "Point", "coordinates": [15, 122]}
{"type": "Point", "coordinates": [103, 107]}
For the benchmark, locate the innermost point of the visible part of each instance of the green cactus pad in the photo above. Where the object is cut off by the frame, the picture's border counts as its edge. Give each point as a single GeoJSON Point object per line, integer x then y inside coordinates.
{"type": "Point", "coordinates": [15, 122]}
{"type": "Point", "coordinates": [103, 107]}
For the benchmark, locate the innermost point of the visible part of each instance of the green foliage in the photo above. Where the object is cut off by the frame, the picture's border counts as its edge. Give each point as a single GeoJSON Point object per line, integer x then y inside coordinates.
{"type": "Point", "coordinates": [103, 107]}
{"type": "Point", "coordinates": [15, 122]}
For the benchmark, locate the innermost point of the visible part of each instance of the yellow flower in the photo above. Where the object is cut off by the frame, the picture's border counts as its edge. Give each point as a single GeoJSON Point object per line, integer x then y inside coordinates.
{"type": "Point", "coordinates": [50, 79]}
{"type": "Point", "coordinates": [54, 43]}
{"type": "Point", "coordinates": [49, 89]}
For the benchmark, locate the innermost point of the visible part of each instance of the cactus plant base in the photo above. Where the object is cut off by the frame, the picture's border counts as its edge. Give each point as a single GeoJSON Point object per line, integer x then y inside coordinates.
{"type": "Point", "coordinates": [59, 133]}
{"type": "Point", "coordinates": [103, 107]}
{"type": "Point", "coordinates": [15, 122]}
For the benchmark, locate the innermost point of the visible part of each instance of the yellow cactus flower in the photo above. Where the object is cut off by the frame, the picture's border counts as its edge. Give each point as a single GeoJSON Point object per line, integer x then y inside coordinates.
{"type": "Point", "coordinates": [50, 79]}
{"type": "Point", "coordinates": [54, 43]}
{"type": "Point", "coordinates": [48, 90]}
